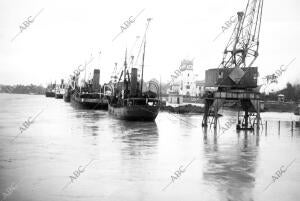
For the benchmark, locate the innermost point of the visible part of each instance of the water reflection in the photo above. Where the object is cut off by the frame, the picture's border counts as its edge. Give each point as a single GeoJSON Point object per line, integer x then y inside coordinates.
{"type": "Point", "coordinates": [139, 137]}
{"type": "Point", "coordinates": [89, 120]}
{"type": "Point", "coordinates": [230, 168]}
{"type": "Point", "coordinates": [138, 146]}
{"type": "Point", "coordinates": [204, 130]}
{"type": "Point", "coordinates": [92, 115]}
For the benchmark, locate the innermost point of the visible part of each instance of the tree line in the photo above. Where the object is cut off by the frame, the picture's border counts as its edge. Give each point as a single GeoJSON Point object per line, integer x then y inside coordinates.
{"type": "Point", "coordinates": [22, 89]}
{"type": "Point", "coordinates": [291, 93]}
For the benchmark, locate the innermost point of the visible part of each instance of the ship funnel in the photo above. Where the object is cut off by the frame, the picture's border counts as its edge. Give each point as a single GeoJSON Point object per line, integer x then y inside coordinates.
{"type": "Point", "coordinates": [133, 80]}
{"type": "Point", "coordinates": [96, 78]}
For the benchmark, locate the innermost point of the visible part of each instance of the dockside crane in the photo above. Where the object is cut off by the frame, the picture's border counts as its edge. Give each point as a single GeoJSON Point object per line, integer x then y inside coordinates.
{"type": "Point", "coordinates": [235, 79]}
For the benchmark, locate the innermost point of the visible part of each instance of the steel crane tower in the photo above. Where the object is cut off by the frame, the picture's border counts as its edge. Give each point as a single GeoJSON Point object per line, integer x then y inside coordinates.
{"type": "Point", "coordinates": [235, 79]}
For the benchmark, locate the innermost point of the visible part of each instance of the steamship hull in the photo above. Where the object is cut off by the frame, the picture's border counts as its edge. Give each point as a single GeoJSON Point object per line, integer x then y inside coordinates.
{"type": "Point", "coordinates": [49, 94]}
{"type": "Point", "coordinates": [59, 96]}
{"type": "Point", "coordinates": [89, 103]}
{"type": "Point", "coordinates": [67, 96]}
{"type": "Point", "coordinates": [135, 112]}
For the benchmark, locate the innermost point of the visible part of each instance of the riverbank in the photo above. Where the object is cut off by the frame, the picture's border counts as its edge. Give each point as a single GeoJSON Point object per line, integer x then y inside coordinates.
{"type": "Point", "coordinates": [275, 106]}
{"type": "Point", "coordinates": [268, 106]}
{"type": "Point", "coordinates": [183, 109]}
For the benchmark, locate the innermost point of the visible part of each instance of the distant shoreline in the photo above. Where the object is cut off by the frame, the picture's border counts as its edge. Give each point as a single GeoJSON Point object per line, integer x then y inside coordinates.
{"type": "Point", "coordinates": [22, 89]}
{"type": "Point", "coordinates": [1, 92]}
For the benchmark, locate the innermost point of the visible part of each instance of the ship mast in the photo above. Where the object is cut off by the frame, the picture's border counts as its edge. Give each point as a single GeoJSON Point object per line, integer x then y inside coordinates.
{"type": "Point", "coordinates": [125, 65]}
{"type": "Point", "coordinates": [114, 74]}
{"type": "Point", "coordinates": [143, 63]}
{"type": "Point", "coordinates": [143, 67]}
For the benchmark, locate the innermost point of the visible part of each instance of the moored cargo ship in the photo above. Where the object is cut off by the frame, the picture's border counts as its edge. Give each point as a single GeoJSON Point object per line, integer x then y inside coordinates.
{"type": "Point", "coordinates": [59, 90]}
{"type": "Point", "coordinates": [50, 93]}
{"type": "Point", "coordinates": [89, 96]}
{"type": "Point", "coordinates": [89, 100]}
{"type": "Point", "coordinates": [67, 93]}
{"type": "Point", "coordinates": [135, 109]}
{"type": "Point", "coordinates": [50, 90]}
{"type": "Point", "coordinates": [128, 101]}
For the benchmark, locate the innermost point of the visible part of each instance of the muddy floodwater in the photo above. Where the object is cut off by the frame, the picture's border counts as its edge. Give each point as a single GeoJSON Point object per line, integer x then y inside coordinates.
{"type": "Point", "coordinates": [68, 154]}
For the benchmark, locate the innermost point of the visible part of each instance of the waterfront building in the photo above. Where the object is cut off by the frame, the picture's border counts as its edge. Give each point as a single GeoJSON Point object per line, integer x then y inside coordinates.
{"type": "Point", "coordinates": [281, 98]}
{"type": "Point", "coordinates": [185, 84]}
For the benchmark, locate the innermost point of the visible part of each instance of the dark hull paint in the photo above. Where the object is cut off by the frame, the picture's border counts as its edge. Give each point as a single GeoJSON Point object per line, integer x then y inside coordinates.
{"type": "Point", "coordinates": [89, 103]}
{"type": "Point", "coordinates": [59, 96]}
{"type": "Point", "coordinates": [135, 112]}
{"type": "Point", "coordinates": [49, 94]}
{"type": "Point", "coordinates": [67, 97]}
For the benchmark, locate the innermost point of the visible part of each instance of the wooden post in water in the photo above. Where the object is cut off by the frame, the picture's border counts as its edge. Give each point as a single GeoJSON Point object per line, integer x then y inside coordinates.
{"type": "Point", "coordinates": [266, 128]}
{"type": "Point", "coordinates": [205, 134]}
{"type": "Point", "coordinates": [216, 115]}
{"type": "Point", "coordinates": [258, 116]}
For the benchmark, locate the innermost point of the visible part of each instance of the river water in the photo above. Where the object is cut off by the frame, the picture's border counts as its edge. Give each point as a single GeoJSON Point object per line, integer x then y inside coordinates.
{"type": "Point", "coordinates": [68, 154]}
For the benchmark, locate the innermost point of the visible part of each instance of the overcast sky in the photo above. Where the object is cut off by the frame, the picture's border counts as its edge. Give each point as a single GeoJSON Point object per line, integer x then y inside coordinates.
{"type": "Point", "coordinates": [66, 33]}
